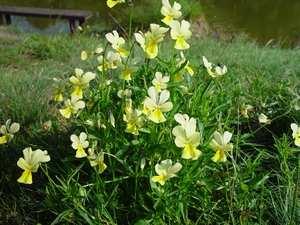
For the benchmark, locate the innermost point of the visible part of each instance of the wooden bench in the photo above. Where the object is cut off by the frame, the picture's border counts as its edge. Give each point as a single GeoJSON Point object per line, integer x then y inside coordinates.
{"type": "Point", "coordinates": [71, 15]}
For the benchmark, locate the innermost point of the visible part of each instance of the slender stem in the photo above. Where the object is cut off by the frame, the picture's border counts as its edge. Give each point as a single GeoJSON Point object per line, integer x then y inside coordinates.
{"type": "Point", "coordinates": [205, 89]}
{"type": "Point", "coordinates": [130, 19]}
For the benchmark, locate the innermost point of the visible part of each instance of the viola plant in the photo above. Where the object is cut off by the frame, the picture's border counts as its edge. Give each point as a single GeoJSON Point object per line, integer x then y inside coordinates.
{"type": "Point", "coordinates": [30, 163]}
{"type": "Point", "coordinates": [134, 120]}
{"type": "Point", "coordinates": [8, 131]}
{"type": "Point", "coordinates": [112, 3]}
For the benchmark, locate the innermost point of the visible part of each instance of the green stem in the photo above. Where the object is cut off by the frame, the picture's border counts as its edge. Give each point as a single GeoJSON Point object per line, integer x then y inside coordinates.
{"type": "Point", "coordinates": [205, 89]}
{"type": "Point", "coordinates": [130, 19]}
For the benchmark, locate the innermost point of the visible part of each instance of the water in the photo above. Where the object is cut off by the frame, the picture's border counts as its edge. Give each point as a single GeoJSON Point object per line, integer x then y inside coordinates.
{"type": "Point", "coordinates": [262, 20]}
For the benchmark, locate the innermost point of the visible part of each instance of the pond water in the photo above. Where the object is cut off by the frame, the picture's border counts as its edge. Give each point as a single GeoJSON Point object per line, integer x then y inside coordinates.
{"type": "Point", "coordinates": [262, 20]}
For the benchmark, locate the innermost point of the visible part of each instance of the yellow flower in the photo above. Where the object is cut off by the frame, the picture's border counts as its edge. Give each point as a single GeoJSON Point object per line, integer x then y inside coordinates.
{"type": "Point", "coordinates": [160, 82]}
{"type": "Point", "coordinates": [83, 55]}
{"type": "Point", "coordinates": [117, 43]}
{"type": "Point", "coordinates": [99, 50]}
{"type": "Point", "coordinates": [296, 133]}
{"type": "Point", "coordinates": [72, 106]}
{"type": "Point", "coordinates": [30, 163]}
{"type": "Point", "coordinates": [7, 131]}
{"type": "Point", "coordinates": [112, 3]}
{"type": "Point", "coordinates": [126, 74]}
{"type": "Point", "coordinates": [187, 66]}
{"type": "Point", "coordinates": [58, 96]}
{"type": "Point", "coordinates": [133, 118]}
{"type": "Point", "coordinates": [170, 12]}
{"type": "Point", "coordinates": [124, 93]}
{"type": "Point", "coordinates": [97, 160]}
{"type": "Point", "coordinates": [166, 171]}
{"type": "Point", "coordinates": [156, 104]}
{"type": "Point", "coordinates": [80, 144]}
{"type": "Point", "coordinates": [214, 70]}
{"type": "Point", "coordinates": [187, 137]}
{"type": "Point", "coordinates": [221, 145]}
{"type": "Point", "coordinates": [262, 118]}
{"type": "Point", "coordinates": [149, 42]}
{"type": "Point", "coordinates": [80, 82]}
{"type": "Point", "coordinates": [181, 33]}
{"type": "Point", "coordinates": [111, 61]}
{"type": "Point", "coordinates": [245, 109]}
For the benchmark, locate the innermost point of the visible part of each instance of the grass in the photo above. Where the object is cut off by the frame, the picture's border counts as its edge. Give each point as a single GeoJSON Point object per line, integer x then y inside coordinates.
{"type": "Point", "coordinates": [258, 185]}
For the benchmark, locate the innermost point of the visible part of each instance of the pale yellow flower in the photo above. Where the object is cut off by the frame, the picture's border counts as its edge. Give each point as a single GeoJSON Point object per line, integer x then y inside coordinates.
{"type": "Point", "coordinates": [112, 3]}
{"type": "Point", "coordinates": [124, 93]}
{"type": "Point", "coordinates": [8, 131]}
{"type": "Point", "coordinates": [111, 119]}
{"type": "Point", "coordinates": [71, 107]}
{"type": "Point", "coordinates": [160, 82]}
{"type": "Point", "coordinates": [170, 12]}
{"type": "Point", "coordinates": [126, 74]}
{"type": "Point", "coordinates": [99, 50]}
{"type": "Point", "coordinates": [111, 61]}
{"type": "Point", "coordinates": [262, 118]}
{"type": "Point", "coordinates": [80, 143]}
{"type": "Point", "coordinates": [30, 163]}
{"type": "Point", "coordinates": [84, 55]}
{"type": "Point", "coordinates": [58, 96]}
{"type": "Point", "coordinates": [166, 171]}
{"type": "Point", "coordinates": [221, 145]}
{"type": "Point", "coordinates": [187, 137]}
{"type": "Point", "coordinates": [296, 133]}
{"type": "Point", "coordinates": [181, 33]}
{"type": "Point", "coordinates": [187, 66]}
{"type": "Point", "coordinates": [133, 118]}
{"type": "Point", "coordinates": [96, 160]}
{"type": "Point", "coordinates": [245, 109]}
{"type": "Point", "coordinates": [80, 81]}
{"type": "Point", "coordinates": [214, 70]}
{"type": "Point", "coordinates": [149, 41]}
{"type": "Point", "coordinates": [117, 43]}
{"type": "Point", "coordinates": [156, 104]}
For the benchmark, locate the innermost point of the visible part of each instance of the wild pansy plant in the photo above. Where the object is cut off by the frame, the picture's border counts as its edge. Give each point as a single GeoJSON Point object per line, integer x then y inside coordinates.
{"type": "Point", "coordinates": [80, 143]}
{"type": "Point", "coordinates": [112, 3]}
{"type": "Point", "coordinates": [96, 160]}
{"type": "Point", "coordinates": [180, 32]}
{"type": "Point", "coordinates": [8, 131]}
{"type": "Point", "coordinates": [71, 107]}
{"type": "Point", "coordinates": [165, 171]}
{"type": "Point", "coordinates": [156, 104]}
{"type": "Point", "coordinates": [30, 163]}
{"type": "Point", "coordinates": [187, 137]}
{"type": "Point", "coordinates": [169, 12]}
{"type": "Point", "coordinates": [149, 42]}
{"type": "Point", "coordinates": [127, 102]}
{"type": "Point", "coordinates": [117, 43]}
{"type": "Point", "coordinates": [160, 82]}
{"type": "Point", "coordinates": [221, 145]}
{"type": "Point", "coordinates": [296, 134]}
{"type": "Point", "coordinates": [214, 70]}
{"type": "Point", "coordinates": [80, 81]}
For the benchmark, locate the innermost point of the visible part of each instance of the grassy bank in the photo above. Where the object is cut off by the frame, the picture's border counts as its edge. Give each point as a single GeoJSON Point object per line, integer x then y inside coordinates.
{"type": "Point", "coordinates": [262, 186]}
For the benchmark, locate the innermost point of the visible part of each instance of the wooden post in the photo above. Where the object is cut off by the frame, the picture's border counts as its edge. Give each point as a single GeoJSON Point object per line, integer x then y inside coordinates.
{"type": "Point", "coordinates": [72, 25]}
{"type": "Point", "coordinates": [81, 21]}
{"type": "Point", "coordinates": [7, 19]}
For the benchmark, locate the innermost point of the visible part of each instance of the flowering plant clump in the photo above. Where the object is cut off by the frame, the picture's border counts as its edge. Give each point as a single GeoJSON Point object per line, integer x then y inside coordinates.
{"type": "Point", "coordinates": [136, 119]}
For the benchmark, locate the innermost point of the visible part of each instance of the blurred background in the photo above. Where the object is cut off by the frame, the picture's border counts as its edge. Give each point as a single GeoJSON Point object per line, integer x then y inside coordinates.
{"type": "Point", "coordinates": [261, 20]}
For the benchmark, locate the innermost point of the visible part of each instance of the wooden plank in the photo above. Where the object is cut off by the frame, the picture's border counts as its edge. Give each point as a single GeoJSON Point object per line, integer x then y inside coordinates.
{"type": "Point", "coordinates": [44, 12]}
